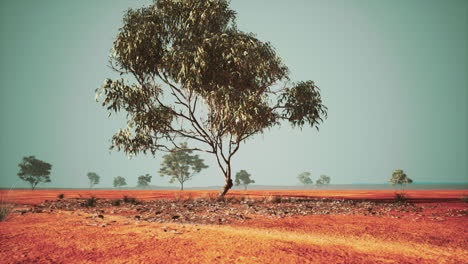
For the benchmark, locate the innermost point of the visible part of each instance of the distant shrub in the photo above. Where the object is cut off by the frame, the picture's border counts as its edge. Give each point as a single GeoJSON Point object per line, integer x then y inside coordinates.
{"type": "Point", "coordinates": [273, 199]}
{"type": "Point", "coordinates": [464, 198]}
{"type": "Point", "coordinates": [5, 211]}
{"type": "Point", "coordinates": [211, 197]}
{"type": "Point", "coordinates": [130, 200]}
{"type": "Point", "coordinates": [400, 197]}
{"type": "Point", "coordinates": [117, 202]}
{"type": "Point", "coordinates": [61, 196]}
{"type": "Point", "coordinates": [90, 202]}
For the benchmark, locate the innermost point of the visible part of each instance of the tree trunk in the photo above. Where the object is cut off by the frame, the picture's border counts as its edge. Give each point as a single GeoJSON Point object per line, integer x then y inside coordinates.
{"type": "Point", "coordinates": [181, 186]}
{"type": "Point", "coordinates": [228, 184]}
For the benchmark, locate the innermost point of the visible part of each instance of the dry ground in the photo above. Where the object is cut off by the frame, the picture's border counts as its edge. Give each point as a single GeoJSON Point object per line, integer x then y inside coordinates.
{"type": "Point", "coordinates": [430, 230]}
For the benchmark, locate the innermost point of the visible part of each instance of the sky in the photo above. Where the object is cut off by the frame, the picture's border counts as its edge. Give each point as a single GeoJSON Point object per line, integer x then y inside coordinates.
{"type": "Point", "coordinates": [393, 75]}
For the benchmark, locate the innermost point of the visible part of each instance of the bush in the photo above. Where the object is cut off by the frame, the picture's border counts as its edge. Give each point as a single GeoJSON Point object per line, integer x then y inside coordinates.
{"type": "Point", "coordinates": [61, 196]}
{"type": "Point", "coordinates": [5, 211]}
{"type": "Point", "coordinates": [130, 200]}
{"type": "Point", "coordinates": [90, 202]}
{"type": "Point", "coordinates": [465, 198]}
{"type": "Point", "coordinates": [400, 197]}
{"type": "Point", "coordinates": [273, 199]}
{"type": "Point", "coordinates": [116, 202]}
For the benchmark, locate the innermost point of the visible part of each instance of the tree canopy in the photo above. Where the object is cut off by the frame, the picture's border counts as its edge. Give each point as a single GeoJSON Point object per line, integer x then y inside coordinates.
{"type": "Point", "coordinates": [323, 180]}
{"type": "Point", "coordinates": [34, 171]}
{"type": "Point", "coordinates": [399, 177]}
{"type": "Point", "coordinates": [304, 178]}
{"type": "Point", "coordinates": [144, 180]}
{"type": "Point", "coordinates": [93, 179]}
{"type": "Point", "coordinates": [243, 177]}
{"type": "Point", "coordinates": [197, 77]}
{"type": "Point", "coordinates": [119, 181]}
{"type": "Point", "coordinates": [181, 165]}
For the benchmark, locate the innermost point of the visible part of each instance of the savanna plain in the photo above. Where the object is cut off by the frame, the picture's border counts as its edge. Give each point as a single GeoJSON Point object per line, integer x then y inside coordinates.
{"type": "Point", "coordinates": [127, 226]}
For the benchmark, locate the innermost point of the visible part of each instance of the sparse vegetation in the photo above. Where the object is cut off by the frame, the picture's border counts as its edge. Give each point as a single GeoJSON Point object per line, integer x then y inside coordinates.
{"type": "Point", "coordinates": [116, 202]}
{"type": "Point", "coordinates": [34, 171]}
{"type": "Point", "coordinates": [304, 178]}
{"type": "Point", "coordinates": [144, 180]}
{"type": "Point", "coordinates": [400, 197]}
{"type": "Point", "coordinates": [464, 198]}
{"type": "Point", "coordinates": [119, 181]}
{"type": "Point", "coordinates": [90, 202]}
{"type": "Point", "coordinates": [93, 179]}
{"type": "Point", "coordinates": [181, 166]}
{"type": "Point", "coordinates": [61, 196]}
{"type": "Point", "coordinates": [273, 199]}
{"type": "Point", "coordinates": [5, 210]}
{"type": "Point", "coordinates": [243, 178]}
{"type": "Point", "coordinates": [130, 200]}
{"type": "Point", "coordinates": [323, 180]}
{"type": "Point", "coordinates": [400, 178]}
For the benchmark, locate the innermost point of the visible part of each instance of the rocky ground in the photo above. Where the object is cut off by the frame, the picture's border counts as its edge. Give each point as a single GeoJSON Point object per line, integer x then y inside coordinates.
{"type": "Point", "coordinates": [233, 210]}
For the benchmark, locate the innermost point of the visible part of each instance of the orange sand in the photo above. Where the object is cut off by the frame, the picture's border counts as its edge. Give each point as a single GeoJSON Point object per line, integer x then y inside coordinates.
{"type": "Point", "coordinates": [64, 237]}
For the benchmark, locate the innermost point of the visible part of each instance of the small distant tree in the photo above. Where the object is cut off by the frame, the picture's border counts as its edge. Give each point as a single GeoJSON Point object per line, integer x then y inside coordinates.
{"type": "Point", "coordinates": [243, 178]}
{"type": "Point", "coordinates": [34, 171]}
{"type": "Point", "coordinates": [323, 180]}
{"type": "Point", "coordinates": [304, 178]}
{"type": "Point", "coordinates": [181, 165]}
{"type": "Point", "coordinates": [144, 180]}
{"type": "Point", "coordinates": [400, 178]}
{"type": "Point", "coordinates": [119, 181]}
{"type": "Point", "coordinates": [93, 179]}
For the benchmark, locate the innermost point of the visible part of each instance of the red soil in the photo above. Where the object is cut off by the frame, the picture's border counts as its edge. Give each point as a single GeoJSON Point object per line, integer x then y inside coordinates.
{"type": "Point", "coordinates": [63, 236]}
{"type": "Point", "coordinates": [38, 196]}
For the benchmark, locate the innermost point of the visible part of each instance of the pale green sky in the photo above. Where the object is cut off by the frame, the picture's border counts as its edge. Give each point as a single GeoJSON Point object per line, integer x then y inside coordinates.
{"type": "Point", "coordinates": [393, 75]}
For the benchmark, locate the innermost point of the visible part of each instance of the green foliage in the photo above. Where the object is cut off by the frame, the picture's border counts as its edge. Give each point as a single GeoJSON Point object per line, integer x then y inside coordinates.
{"type": "Point", "coordinates": [181, 165]}
{"type": "Point", "coordinates": [400, 178]}
{"type": "Point", "coordinates": [221, 85]}
{"type": "Point", "coordinates": [144, 180]}
{"type": "Point", "coordinates": [119, 181]}
{"type": "Point", "coordinates": [243, 177]}
{"type": "Point", "coordinates": [93, 179]}
{"type": "Point", "coordinates": [34, 171]}
{"type": "Point", "coordinates": [304, 178]}
{"type": "Point", "coordinates": [323, 180]}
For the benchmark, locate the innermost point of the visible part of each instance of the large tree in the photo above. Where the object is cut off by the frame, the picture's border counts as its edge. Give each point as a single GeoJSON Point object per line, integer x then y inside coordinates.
{"type": "Point", "coordinates": [34, 171]}
{"type": "Point", "coordinates": [181, 165]}
{"type": "Point", "coordinates": [144, 180]}
{"type": "Point", "coordinates": [93, 179]}
{"type": "Point", "coordinates": [243, 177]}
{"type": "Point", "coordinates": [197, 77]}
